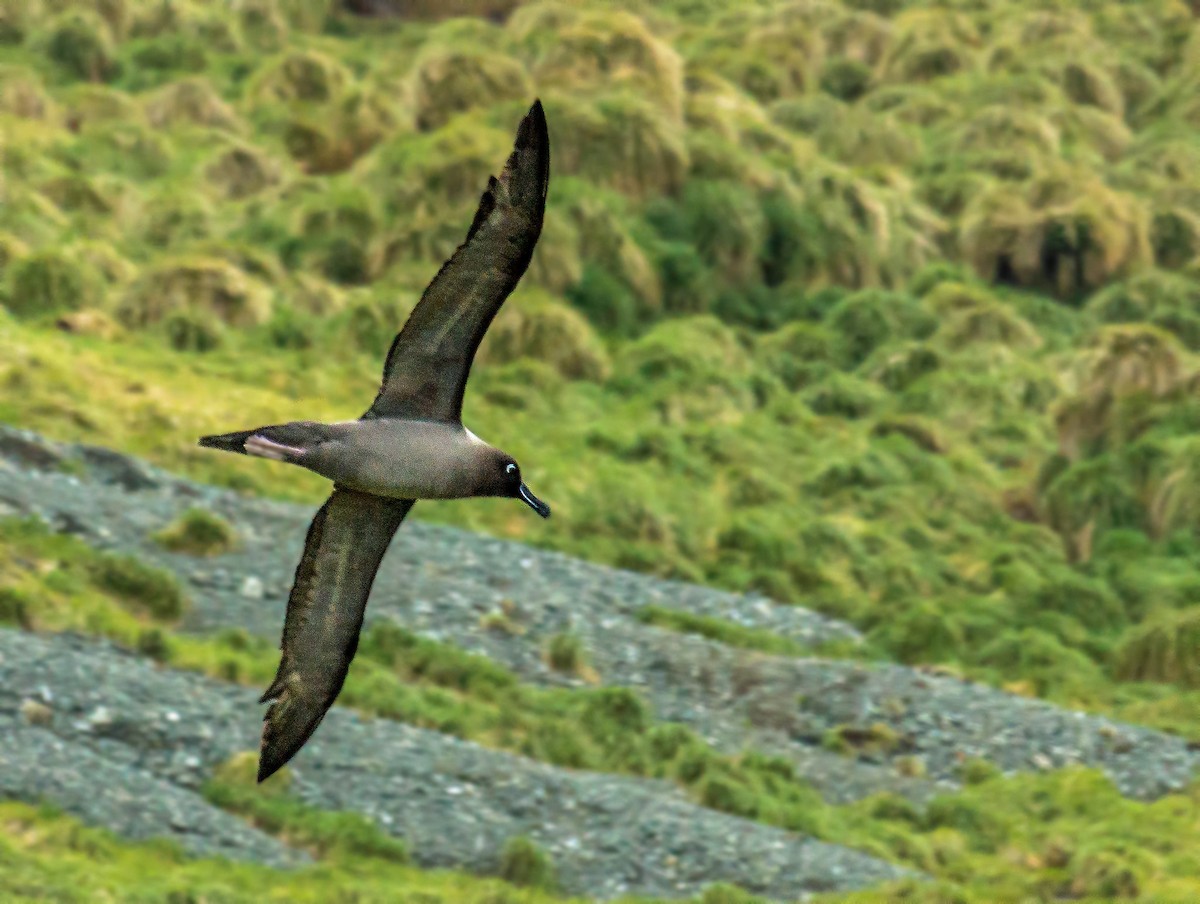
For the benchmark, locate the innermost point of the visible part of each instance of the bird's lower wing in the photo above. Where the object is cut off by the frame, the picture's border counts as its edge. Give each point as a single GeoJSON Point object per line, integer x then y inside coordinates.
{"type": "Point", "coordinates": [346, 541]}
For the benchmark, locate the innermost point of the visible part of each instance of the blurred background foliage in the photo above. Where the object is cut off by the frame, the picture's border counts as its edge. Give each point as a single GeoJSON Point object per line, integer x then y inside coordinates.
{"type": "Point", "coordinates": [888, 308]}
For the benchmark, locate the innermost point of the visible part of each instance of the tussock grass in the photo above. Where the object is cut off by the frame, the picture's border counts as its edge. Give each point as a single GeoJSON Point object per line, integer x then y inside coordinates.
{"type": "Point", "coordinates": [877, 307]}
{"type": "Point", "coordinates": [198, 532]}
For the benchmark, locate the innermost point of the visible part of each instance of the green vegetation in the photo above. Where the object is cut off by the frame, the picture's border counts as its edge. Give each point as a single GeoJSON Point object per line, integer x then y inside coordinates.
{"type": "Point", "coordinates": [54, 582]}
{"type": "Point", "coordinates": [323, 834]}
{"type": "Point", "coordinates": [966, 840]}
{"type": "Point", "coordinates": [565, 653]}
{"type": "Point", "coordinates": [719, 629]}
{"type": "Point", "coordinates": [48, 856]}
{"type": "Point", "coordinates": [198, 532]}
{"type": "Point", "coordinates": [883, 308]}
{"type": "Point", "coordinates": [523, 863]}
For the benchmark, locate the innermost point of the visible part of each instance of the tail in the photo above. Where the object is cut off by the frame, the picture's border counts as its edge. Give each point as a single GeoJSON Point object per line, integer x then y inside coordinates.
{"type": "Point", "coordinates": [229, 442]}
{"type": "Point", "coordinates": [280, 442]}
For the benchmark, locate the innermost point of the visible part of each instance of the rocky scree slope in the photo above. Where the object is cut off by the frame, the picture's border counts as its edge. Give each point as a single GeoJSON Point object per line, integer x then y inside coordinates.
{"type": "Point", "coordinates": [457, 802]}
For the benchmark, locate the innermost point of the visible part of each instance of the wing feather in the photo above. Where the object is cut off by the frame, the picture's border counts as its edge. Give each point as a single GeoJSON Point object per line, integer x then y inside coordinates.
{"type": "Point", "coordinates": [345, 544]}
{"type": "Point", "coordinates": [430, 359]}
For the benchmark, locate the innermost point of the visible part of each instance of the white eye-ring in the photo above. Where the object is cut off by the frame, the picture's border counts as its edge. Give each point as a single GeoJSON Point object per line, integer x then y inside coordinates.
{"type": "Point", "coordinates": [510, 469]}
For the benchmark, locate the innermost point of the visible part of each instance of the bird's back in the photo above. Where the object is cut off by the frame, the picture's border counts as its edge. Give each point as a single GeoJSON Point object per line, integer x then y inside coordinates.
{"type": "Point", "coordinates": [402, 459]}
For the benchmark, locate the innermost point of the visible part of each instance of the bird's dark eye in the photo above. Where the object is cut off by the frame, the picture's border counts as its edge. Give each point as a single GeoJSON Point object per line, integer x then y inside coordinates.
{"type": "Point", "coordinates": [510, 469]}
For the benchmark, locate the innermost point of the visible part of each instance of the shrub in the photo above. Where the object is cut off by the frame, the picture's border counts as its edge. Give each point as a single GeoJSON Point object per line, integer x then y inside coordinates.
{"type": "Point", "coordinates": [193, 331]}
{"type": "Point", "coordinates": [623, 142]}
{"type": "Point", "coordinates": [865, 320]}
{"type": "Point", "coordinates": [565, 653]}
{"type": "Point", "coordinates": [198, 532]}
{"type": "Point", "coordinates": [1170, 301]}
{"type": "Point", "coordinates": [1175, 505]}
{"type": "Point", "coordinates": [929, 44]}
{"type": "Point", "coordinates": [686, 278]}
{"type": "Point", "coordinates": [191, 101]}
{"type": "Point", "coordinates": [995, 323]}
{"type": "Point", "coordinates": [896, 368]}
{"type": "Point", "coordinates": [138, 586]}
{"type": "Point", "coordinates": [842, 395]}
{"type": "Point", "coordinates": [556, 264]}
{"type": "Point", "coordinates": [1063, 231]}
{"type": "Point", "coordinates": [535, 326]}
{"type": "Point", "coordinates": [16, 16]}
{"type": "Point", "coordinates": [726, 224]}
{"type": "Point", "coordinates": [300, 75]}
{"type": "Point", "coordinates": [199, 285]}
{"type": "Point", "coordinates": [80, 42]}
{"type": "Point", "coordinates": [799, 353]}
{"type": "Point", "coordinates": [523, 863]}
{"type": "Point", "coordinates": [154, 643]}
{"type": "Point", "coordinates": [605, 301]}
{"type": "Point", "coordinates": [242, 171]}
{"type": "Point", "coordinates": [22, 94]}
{"type": "Point", "coordinates": [262, 24]}
{"type": "Point", "coordinates": [846, 79]}
{"type": "Point", "coordinates": [1089, 601]}
{"type": "Point", "coordinates": [151, 62]}
{"type": "Point", "coordinates": [419, 173]}
{"type": "Point", "coordinates": [15, 608]}
{"type": "Point", "coordinates": [693, 359]}
{"type": "Point", "coordinates": [610, 50]}
{"type": "Point", "coordinates": [607, 241]}
{"type": "Point", "coordinates": [1165, 648]}
{"type": "Point", "coordinates": [612, 714]}
{"type": "Point", "coordinates": [51, 282]}
{"type": "Point", "coordinates": [448, 80]}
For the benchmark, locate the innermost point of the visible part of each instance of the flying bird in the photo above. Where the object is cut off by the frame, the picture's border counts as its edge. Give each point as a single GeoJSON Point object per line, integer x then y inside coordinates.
{"type": "Point", "coordinates": [410, 444]}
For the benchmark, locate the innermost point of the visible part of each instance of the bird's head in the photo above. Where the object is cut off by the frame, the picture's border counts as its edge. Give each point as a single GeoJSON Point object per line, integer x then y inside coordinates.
{"type": "Point", "coordinates": [503, 478]}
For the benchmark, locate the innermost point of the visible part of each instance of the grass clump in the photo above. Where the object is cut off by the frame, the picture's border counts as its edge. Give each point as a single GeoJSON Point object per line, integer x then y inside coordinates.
{"type": "Point", "coordinates": [14, 608]}
{"type": "Point", "coordinates": [565, 653]}
{"type": "Point", "coordinates": [721, 630]}
{"type": "Point", "coordinates": [547, 331]}
{"type": "Point", "coordinates": [525, 864]}
{"type": "Point", "coordinates": [50, 282]}
{"type": "Point", "coordinates": [889, 312]}
{"type": "Point", "coordinates": [1163, 648]}
{"type": "Point", "coordinates": [140, 587]}
{"type": "Point", "coordinates": [70, 586]}
{"type": "Point", "coordinates": [202, 286]}
{"type": "Point", "coordinates": [327, 835]}
{"type": "Point", "coordinates": [80, 42]}
{"type": "Point", "coordinates": [55, 856]}
{"type": "Point", "coordinates": [198, 532]}
{"type": "Point", "coordinates": [449, 80]}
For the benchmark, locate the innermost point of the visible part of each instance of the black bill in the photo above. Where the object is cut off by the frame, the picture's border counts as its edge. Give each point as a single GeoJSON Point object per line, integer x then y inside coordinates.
{"type": "Point", "coordinates": [533, 502]}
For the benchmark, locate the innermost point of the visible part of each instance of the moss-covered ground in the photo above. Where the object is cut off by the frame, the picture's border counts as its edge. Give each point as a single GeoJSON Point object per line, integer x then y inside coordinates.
{"type": "Point", "coordinates": [888, 308]}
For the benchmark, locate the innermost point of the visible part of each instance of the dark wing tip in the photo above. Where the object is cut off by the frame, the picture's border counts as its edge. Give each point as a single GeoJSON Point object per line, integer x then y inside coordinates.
{"type": "Point", "coordinates": [538, 137]}
{"type": "Point", "coordinates": [289, 723]}
{"type": "Point", "coordinates": [536, 118]}
{"type": "Point", "coordinates": [531, 144]}
{"type": "Point", "coordinates": [267, 768]}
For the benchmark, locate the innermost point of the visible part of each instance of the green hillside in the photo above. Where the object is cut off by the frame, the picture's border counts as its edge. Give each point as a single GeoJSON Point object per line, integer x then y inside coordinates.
{"type": "Point", "coordinates": [888, 309]}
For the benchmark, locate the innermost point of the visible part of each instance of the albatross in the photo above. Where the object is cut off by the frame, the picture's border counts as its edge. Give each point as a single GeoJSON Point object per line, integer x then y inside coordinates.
{"type": "Point", "coordinates": [410, 444]}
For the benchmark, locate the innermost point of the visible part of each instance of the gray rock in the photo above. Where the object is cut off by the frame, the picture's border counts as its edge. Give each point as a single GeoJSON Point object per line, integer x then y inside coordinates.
{"type": "Point", "coordinates": [37, 765]}
{"type": "Point", "coordinates": [438, 582]}
{"type": "Point", "coordinates": [456, 803]}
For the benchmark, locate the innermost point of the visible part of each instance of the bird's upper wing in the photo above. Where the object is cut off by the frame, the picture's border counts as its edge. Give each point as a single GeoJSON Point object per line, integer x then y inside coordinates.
{"type": "Point", "coordinates": [427, 366]}
{"type": "Point", "coordinates": [346, 541]}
